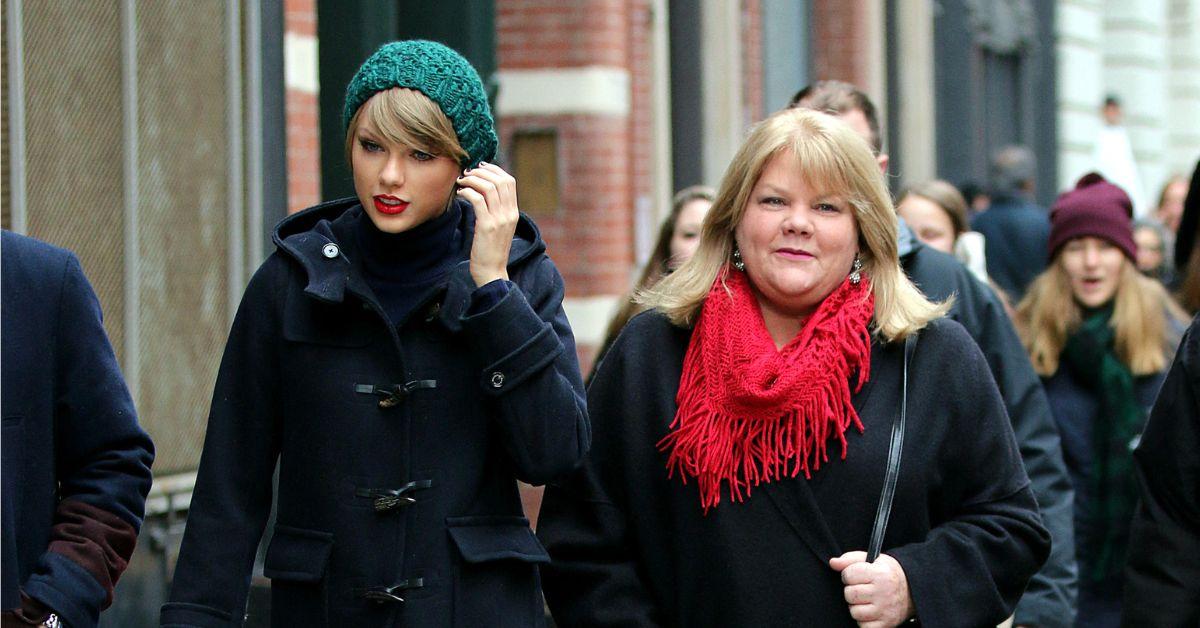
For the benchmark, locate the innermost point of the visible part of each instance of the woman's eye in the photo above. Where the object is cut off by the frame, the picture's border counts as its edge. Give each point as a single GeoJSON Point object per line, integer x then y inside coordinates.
{"type": "Point", "coordinates": [774, 201]}
{"type": "Point", "coordinates": [689, 235]}
{"type": "Point", "coordinates": [827, 208]}
{"type": "Point", "coordinates": [421, 155]}
{"type": "Point", "coordinates": [369, 146]}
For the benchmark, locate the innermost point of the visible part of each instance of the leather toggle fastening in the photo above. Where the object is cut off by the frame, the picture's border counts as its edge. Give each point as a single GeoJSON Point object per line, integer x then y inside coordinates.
{"type": "Point", "coordinates": [393, 393]}
{"type": "Point", "coordinates": [390, 594]}
{"type": "Point", "coordinates": [386, 499]}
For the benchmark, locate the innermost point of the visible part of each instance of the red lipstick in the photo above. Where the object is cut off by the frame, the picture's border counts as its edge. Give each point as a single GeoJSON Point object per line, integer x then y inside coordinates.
{"type": "Point", "coordinates": [389, 205]}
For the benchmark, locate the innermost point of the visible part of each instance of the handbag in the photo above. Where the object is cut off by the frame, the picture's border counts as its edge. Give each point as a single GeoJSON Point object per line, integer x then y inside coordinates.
{"type": "Point", "coordinates": [893, 465]}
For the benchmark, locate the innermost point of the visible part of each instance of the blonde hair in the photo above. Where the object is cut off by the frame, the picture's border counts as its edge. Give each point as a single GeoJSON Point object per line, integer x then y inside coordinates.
{"type": "Point", "coordinates": [406, 116]}
{"type": "Point", "coordinates": [835, 160]}
{"type": "Point", "coordinates": [1142, 313]}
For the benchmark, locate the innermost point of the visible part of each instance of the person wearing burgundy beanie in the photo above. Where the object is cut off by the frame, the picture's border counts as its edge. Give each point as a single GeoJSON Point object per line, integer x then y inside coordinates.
{"type": "Point", "coordinates": [1101, 335]}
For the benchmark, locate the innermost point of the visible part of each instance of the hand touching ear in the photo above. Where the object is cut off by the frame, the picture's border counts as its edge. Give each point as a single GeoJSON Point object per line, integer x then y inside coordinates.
{"type": "Point", "coordinates": [493, 194]}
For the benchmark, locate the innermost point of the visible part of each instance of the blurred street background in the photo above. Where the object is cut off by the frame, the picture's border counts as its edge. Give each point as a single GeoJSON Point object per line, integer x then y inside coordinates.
{"type": "Point", "coordinates": [161, 140]}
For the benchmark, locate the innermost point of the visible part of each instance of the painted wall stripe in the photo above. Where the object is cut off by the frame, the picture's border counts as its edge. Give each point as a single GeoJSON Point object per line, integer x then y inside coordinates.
{"type": "Point", "coordinates": [300, 63]}
{"type": "Point", "coordinates": [597, 90]}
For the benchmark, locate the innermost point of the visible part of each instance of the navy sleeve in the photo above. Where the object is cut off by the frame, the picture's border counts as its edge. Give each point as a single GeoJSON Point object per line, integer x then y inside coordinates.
{"type": "Point", "coordinates": [103, 464]}
{"type": "Point", "coordinates": [532, 372]}
{"type": "Point", "coordinates": [487, 296]}
{"type": "Point", "coordinates": [232, 498]}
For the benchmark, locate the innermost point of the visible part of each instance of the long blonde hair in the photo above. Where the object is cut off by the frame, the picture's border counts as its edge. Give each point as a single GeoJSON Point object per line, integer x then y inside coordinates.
{"type": "Point", "coordinates": [406, 116]}
{"type": "Point", "coordinates": [835, 159]}
{"type": "Point", "coordinates": [1142, 313]}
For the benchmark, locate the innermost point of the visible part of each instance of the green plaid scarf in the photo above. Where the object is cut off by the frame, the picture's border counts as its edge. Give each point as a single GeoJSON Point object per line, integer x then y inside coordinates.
{"type": "Point", "coordinates": [1091, 354]}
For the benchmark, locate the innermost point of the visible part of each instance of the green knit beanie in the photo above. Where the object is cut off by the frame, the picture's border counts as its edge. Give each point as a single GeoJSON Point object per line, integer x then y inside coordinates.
{"type": "Point", "coordinates": [441, 74]}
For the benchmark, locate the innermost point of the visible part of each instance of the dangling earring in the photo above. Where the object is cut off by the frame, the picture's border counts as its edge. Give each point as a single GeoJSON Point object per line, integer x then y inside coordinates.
{"type": "Point", "coordinates": [856, 270]}
{"type": "Point", "coordinates": [737, 258]}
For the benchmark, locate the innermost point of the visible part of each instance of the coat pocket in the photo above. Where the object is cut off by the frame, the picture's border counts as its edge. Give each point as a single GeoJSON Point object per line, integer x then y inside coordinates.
{"type": "Point", "coordinates": [297, 563]}
{"type": "Point", "coordinates": [496, 581]}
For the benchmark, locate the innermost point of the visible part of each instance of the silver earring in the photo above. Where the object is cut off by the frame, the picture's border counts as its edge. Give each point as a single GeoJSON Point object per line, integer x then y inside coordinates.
{"type": "Point", "coordinates": [737, 258]}
{"type": "Point", "coordinates": [856, 270]}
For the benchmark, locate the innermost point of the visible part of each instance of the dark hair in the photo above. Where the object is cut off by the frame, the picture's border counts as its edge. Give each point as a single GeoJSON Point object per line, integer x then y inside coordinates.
{"type": "Point", "coordinates": [657, 265]}
{"type": "Point", "coordinates": [1111, 100]}
{"type": "Point", "coordinates": [837, 98]}
{"type": "Point", "coordinates": [1013, 169]}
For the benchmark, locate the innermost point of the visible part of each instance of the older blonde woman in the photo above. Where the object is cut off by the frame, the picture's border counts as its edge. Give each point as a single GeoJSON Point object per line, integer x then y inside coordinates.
{"type": "Point", "coordinates": [742, 426]}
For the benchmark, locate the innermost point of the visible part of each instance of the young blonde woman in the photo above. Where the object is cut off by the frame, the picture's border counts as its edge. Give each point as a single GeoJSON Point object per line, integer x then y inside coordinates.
{"type": "Point", "coordinates": [743, 425]}
{"type": "Point", "coordinates": [405, 359]}
{"type": "Point", "coordinates": [1101, 336]}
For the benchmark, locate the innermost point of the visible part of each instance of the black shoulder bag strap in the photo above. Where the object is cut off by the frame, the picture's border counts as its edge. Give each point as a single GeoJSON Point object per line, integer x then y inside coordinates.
{"type": "Point", "coordinates": [893, 465]}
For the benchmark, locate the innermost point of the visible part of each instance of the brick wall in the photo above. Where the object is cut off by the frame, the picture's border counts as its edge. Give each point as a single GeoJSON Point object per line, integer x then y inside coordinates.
{"type": "Point", "coordinates": [752, 61]}
{"type": "Point", "coordinates": [303, 126]}
{"type": "Point", "coordinates": [839, 46]}
{"type": "Point", "coordinates": [604, 159]}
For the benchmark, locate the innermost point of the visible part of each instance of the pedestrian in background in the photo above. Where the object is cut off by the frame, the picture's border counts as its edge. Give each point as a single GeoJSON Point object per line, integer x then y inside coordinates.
{"type": "Point", "coordinates": [1169, 210]}
{"type": "Point", "coordinates": [779, 350]}
{"type": "Point", "coordinates": [1049, 601]}
{"type": "Point", "coordinates": [677, 240]}
{"type": "Point", "coordinates": [1151, 239]}
{"type": "Point", "coordinates": [76, 465]}
{"type": "Point", "coordinates": [405, 358]}
{"type": "Point", "coordinates": [937, 214]}
{"type": "Point", "coordinates": [1015, 228]}
{"type": "Point", "coordinates": [1101, 336]}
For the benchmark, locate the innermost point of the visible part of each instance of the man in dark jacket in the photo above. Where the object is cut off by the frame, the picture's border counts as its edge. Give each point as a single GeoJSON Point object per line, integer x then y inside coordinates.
{"type": "Point", "coordinates": [76, 466]}
{"type": "Point", "coordinates": [1050, 598]}
{"type": "Point", "coordinates": [1016, 230]}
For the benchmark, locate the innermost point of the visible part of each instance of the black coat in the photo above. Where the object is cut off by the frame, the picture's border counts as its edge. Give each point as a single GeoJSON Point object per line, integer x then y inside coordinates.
{"type": "Point", "coordinates": [631, 547]}
{"type": "Point", "coordinates": [76, 466]}
{"type": "Point", "coordinates": [1050, 600]}
{"type": "Point", "coordinates": [398, 448]}
{"type": "Point", "coordinates": [1162, 577]}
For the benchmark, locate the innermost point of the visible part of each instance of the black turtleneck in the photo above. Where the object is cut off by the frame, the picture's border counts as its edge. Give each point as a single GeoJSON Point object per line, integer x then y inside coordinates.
{"type": "Point", "coordinates": [401, 268]}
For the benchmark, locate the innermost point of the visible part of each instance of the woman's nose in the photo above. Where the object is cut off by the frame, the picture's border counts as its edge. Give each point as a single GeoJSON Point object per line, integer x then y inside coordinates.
{"type": "Point", "coordinates": [798, 220]}
{"type": "Point", "coordinates": [393, 172]}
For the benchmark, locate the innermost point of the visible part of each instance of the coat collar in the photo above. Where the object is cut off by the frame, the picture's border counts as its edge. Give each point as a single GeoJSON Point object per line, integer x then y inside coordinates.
{"type": "Point", "coordinates": [306, 237]}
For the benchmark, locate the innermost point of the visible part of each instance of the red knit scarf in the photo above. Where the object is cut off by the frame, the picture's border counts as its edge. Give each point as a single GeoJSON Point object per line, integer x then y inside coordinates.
{"type": "Point", "coordinates": [749, 413]}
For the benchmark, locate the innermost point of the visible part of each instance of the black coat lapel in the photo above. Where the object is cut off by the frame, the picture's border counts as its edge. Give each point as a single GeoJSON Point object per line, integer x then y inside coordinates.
{"type": "Point", "coordinates": [796, 502]}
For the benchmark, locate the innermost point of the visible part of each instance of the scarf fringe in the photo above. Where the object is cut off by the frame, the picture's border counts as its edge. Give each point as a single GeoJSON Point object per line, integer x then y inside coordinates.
{"type": "Point", "coordinates": [719, 440]}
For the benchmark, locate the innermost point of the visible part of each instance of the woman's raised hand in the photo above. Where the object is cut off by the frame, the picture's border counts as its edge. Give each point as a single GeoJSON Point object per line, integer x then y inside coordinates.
{"type": "Point", "coordinates": [876, 592]}
{"type": "Point", "coordinates": [493, 194]}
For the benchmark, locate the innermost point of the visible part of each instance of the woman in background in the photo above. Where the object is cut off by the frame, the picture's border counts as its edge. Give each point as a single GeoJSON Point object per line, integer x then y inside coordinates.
{"type": "Point", "coordinates": [678, 238]}
{"type": "Point", "coordinates": [1101, 336]}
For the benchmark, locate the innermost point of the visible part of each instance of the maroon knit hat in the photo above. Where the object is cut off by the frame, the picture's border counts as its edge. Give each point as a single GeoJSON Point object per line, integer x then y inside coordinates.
{"type": "Point", "coordinates": [1094, 208]}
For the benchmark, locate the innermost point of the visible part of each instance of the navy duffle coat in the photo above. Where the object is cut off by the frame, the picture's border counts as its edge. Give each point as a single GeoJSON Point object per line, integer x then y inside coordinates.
{"type": "Point", "coordinates": [399, 446]}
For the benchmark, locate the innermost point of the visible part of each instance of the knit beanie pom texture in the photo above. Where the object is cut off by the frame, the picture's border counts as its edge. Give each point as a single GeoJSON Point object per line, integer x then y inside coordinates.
{"type": "Point", "coordinates": [441, 74]}
{"type": "Point", "coordinates": [1094, 208]}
